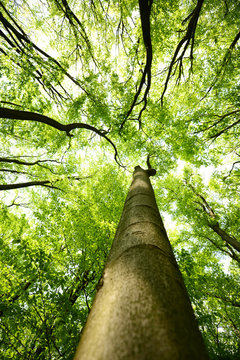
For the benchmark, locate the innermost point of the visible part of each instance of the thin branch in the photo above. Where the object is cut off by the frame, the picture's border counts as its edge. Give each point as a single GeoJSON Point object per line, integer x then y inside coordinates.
{"type": "Point", "coordinates": [44, 183]}
{"type": "Point", "coordinates": [188, 38]}
{"type": "Point", "coordinates": [228, 239]}
{"type": "Point", "coordinates": [220, 118]}
{"type": "Point", "coordinates": [19, 37]}
{"type": "Point", "coordinates": [227, 9]}
{"type": "Point", "coordinates": [86, 300]}
{"type": "Point", "coordinates": [17, 172]}
{"type": "Point", "coordinates": [230, 253]}
{"type": "Point", "coordinates": [70, 15]}
{"type": "Point", "coordinates": [215, 136]}
{"type": "Point", "coordinates": [25, 205]}
{"type": "Point", "coordinates": [232, 168]}
{"type": "Point", "coordinates": [225, 299]}
{"type": "Point", "coordinates": [9, 103]}
{"type": "Point", "coordinates": [205, 206]}
{"type": "Point", "coordinates": [224, 63]}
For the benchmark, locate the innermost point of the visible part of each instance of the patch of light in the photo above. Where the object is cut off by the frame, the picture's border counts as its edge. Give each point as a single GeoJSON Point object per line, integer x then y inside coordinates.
{"type": "Point", "coordinates": [225, 264]}
{"type": "Point", "coordinates": [206, 173]}
{"type": "Point", "coordinates": [180, 166]}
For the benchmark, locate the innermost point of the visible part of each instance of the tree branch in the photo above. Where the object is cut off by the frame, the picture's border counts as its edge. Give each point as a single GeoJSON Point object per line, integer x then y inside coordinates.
{"type": "Point", "coordinates": [26, 184]}
{"type": "Point", "coordinates": [19, 37]}
{"type": "Point", "coordinates": [224, 63]}
{"type": "Point", "coordinates": [205, 206]}
{"type": "Point", "coordinates": [225, 299]}
{"type": "Point", "coordinates": [225, 236]}
{"type": "Point", "coordinates": [145, 12]}
{"type": "Point", "coordinates": [65, 8]}
{"type": "Point", "coordinates": [215, 136]}
{"type": "Point", "coordinates": [220, 118]}
{"type": "Point", "coordinates": [231, 240]}
{"type": "Point", "coordinates": [32, 116]}
{"type": "Point", "coordinates": [232, 168]}
{"type": "Point", "coordinates": [188, 38]}
{"type": "Point", "coordinates": [230, 253]}
{"type": "Point", "coordinates": [21, 162]}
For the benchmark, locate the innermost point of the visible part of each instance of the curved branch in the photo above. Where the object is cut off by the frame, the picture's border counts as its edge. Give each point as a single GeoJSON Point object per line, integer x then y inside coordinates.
{"type": "Point", "coordinates": [215, 136]}
{"type": "Point", "coordinates": [188, 38]}
{"type": "Point", "coordinates": [32, 116]}
{"type": "Point", "coordinates": [232, 168]}
{"type": "Point", "coordinates": [21, 162]}
{"type": "Point", "coordinates": [70, 15]}
{"type": "Point", "coordinates": [220, 118]}
{"type": "Point", "coordinates": [19, 37]}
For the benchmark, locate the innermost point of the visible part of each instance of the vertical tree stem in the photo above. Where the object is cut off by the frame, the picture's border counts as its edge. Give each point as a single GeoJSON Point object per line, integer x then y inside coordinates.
{"type": "Point", "coordinates": [141, 310]}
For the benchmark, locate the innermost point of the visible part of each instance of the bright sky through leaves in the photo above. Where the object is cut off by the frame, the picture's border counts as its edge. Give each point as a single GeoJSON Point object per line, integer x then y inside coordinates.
{"type": "Point", "coordinates": [88, 89]}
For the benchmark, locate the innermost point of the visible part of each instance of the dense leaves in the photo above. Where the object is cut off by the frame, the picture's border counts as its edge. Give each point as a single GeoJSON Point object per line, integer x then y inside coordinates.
{"type": "Point", "coordinates": [88, 90]}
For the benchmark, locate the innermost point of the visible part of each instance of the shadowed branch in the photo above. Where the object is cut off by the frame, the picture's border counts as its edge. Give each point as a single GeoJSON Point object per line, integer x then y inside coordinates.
{"type": "Point", "coordinates": [145, 12]}
{"type": "Point", "coordinates": [31, 116]}
{"type": "Point", "coordinates": [188, 39]}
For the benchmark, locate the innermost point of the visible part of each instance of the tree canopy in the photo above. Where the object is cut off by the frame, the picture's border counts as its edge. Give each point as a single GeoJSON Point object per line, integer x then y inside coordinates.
{"type": "Point", "coordinates": [88, 90]}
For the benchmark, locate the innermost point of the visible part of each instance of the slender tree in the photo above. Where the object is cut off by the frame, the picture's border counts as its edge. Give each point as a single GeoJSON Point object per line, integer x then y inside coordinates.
{"type": "Point", "coordinates": [141, 309]}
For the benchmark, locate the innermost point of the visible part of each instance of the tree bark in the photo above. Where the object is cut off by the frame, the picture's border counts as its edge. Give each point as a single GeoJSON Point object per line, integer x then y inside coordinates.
{"type": "Point", "coordinates": [141, 310]}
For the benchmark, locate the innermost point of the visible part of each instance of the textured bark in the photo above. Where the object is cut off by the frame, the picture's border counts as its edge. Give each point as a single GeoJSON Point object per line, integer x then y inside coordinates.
{"type": "Point", "coordinates": [141, 310]}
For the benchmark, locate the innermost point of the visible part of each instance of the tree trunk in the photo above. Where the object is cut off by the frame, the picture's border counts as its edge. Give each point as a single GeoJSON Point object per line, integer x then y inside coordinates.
{"type": "Point", "coordinates": [141, 310]}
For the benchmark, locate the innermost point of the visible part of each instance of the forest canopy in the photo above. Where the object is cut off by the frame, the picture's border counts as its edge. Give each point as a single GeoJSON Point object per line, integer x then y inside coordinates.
{"type": "Point", "coordinates": [88, 90]}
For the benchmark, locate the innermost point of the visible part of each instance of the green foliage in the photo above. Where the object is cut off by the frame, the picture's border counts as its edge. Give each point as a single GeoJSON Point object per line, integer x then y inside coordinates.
{"type": "Point", "coordinates": [61, 257]}
{"type": "Point", "coordinates": [82, 62]}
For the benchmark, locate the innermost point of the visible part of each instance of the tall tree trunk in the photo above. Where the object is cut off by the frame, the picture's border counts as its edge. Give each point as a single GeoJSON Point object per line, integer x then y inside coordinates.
{"type": "Point", "coordinates": [141, 310]}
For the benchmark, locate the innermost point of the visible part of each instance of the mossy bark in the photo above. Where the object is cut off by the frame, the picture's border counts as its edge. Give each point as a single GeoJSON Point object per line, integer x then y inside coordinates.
{"type": "Point", "coordinates": [142, 310]}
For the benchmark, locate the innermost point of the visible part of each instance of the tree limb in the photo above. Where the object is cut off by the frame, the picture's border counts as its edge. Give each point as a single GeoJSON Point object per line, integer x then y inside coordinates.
{"type": "Point", "coordinates": [145, 12]}
{"type": "Point", "coordinates": [21, 162]}
{"type": "Point", "coordinates": [224, 63]}
{"type": "Point", "coordinates": [215, 136]}
{"type": "Point", "coordinates": [26, 184]}
{"type": "Point", "coordinates": [225, 236]}
{"type": "Point", "coordinates": [32, 116]}
{"type": "Point", "coordinates": [22, 43]}
{"type": "Point", "coordinates": [220, 119]}
{"type": "Point", "coordinates": [225, 299]}
{"type": "Point", "coordinates": [231, 240]}
{"type": "Point", "coordinates": [205, 206]}
{"type": "Point", "coordinates": [70, 15]}
{"type": "Point", "coordinates": [188, 38]}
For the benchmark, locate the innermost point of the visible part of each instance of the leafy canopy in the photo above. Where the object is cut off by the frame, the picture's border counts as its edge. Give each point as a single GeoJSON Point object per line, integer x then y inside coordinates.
{"type": "Point", "coordinates": [88, 90]}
